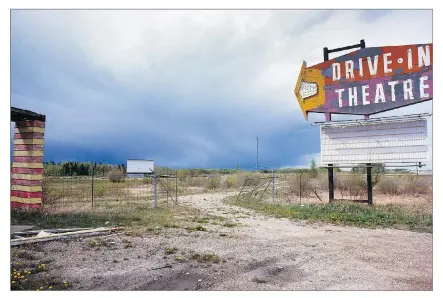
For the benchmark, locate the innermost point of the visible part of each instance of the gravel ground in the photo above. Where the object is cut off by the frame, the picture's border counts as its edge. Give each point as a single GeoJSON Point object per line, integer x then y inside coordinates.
{"type": "Point", "coordinates": [253, 252]}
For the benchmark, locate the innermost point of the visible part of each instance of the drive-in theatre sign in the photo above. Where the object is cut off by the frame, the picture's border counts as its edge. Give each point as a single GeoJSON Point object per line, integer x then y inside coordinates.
{"type": "Point", "coordinates": [367, 81]}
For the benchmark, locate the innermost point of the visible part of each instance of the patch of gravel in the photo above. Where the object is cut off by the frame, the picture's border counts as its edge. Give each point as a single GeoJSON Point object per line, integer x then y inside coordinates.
{"type": "Point", "coordinates": [257, 253]}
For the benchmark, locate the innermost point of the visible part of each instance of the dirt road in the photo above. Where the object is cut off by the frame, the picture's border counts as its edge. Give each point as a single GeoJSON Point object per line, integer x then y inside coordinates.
{"type": "Point", "coordinates": [248, 251]}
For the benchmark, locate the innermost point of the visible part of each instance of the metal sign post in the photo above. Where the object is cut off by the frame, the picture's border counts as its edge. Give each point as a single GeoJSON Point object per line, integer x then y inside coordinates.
{"type": "Point", "coordinates": [154, 179]}
{"type": "Point", "coordinates": [369, 182]}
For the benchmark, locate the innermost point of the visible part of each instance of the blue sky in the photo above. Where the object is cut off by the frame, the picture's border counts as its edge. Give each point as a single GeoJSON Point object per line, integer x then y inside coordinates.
{"type": "Point", "coordinates": [186, 88]}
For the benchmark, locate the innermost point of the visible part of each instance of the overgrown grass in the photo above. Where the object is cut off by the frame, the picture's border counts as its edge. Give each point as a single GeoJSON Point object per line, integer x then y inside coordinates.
{"type": "Point", "coordinates": [354, 214]}
{"type": "Point", "coordinates": [137, 218]}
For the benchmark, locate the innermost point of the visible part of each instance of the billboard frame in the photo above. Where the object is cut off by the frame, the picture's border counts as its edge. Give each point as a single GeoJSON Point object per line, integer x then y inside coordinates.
{"type": "Point", "coordinates": [373, 137]}
{"type": "Point", "coordinates": [152, 171]}
{"type": "Point", "coordinates": [330, 166]}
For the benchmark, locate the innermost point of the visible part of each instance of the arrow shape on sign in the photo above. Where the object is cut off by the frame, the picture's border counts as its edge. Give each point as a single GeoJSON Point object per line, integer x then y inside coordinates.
{"type": "Point", "coordinates": [367, 81]}
{"type": "Point", "coordinates": [309, 89]}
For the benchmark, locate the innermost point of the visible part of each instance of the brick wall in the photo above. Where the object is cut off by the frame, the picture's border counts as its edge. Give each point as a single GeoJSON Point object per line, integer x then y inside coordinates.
{"type": "Point", "coordinates": [27, 166]}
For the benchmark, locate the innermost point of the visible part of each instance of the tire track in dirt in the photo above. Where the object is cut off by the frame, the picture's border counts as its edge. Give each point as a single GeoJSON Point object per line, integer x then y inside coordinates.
{"type": "Point", "coordinates": [319, 256]}
{"type": "Point", "coordinates": [253, 252]}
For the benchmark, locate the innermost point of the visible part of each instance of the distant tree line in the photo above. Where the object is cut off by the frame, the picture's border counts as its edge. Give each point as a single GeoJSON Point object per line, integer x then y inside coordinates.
{"type": "Point", "coordinates": [100, 169]}
{"type": "Point", "coordinates": [79, 168]}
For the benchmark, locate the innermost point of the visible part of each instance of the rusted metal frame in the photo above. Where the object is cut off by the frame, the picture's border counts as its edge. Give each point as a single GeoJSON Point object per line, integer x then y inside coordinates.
{"type": "Point", "coordinates": [259, 185]}
{"type": "Point", "coordinates": [267, 186]}
{"type": "Point", "coordinates": [167, 191]}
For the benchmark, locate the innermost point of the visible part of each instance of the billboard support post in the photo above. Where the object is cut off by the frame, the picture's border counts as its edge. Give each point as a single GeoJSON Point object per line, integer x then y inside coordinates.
{"type": "Point", "coordinates": [369, 182]}
{"type": "Point", "coordinates": [331, 182]}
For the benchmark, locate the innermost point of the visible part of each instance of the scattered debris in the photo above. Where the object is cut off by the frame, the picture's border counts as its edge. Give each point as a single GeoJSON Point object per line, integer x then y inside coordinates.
{"type": "Point", "coordinates": [259, 280]}
{"type": "Point", "coordinates": [57, 234]}
{"type": "Point", "coordinates": [162, 267]}
{"type": "Point", "coordinates": [53, 231]}
{"type": "Point", "coordinates": [43, 233]}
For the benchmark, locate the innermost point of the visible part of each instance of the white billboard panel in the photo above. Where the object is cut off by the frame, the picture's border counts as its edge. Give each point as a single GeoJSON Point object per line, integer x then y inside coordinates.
{"type": "Point", "coordinates": [139, 166]}
{"type": "Point", "coordinates": [374, 141]}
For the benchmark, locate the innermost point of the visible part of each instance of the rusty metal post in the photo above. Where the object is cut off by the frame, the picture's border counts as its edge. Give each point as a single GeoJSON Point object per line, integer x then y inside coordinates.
{"type": "Point", "coordinates": [154, 179]}
{"type": "Point", "coordinates": [331, 182]}
{"type": "Point", "coordinates": [369, 182]}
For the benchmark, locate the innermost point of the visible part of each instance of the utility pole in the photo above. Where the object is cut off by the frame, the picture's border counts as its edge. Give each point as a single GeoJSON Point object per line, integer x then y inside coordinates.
{"type": "Point", "coordinates": [257, 156]}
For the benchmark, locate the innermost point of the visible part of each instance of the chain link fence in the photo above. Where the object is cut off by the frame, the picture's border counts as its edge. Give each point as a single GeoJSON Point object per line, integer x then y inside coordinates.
{"type": "Point", "coordinates": [107, 189]}
{"type": "Point", "coordinates": [112, 188]}
{"type": "Point", "coordinates": [307, 187]}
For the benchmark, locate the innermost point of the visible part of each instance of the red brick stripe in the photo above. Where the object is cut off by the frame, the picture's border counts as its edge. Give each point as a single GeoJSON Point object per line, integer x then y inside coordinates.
{"type": "Point", "coordinates": [28, 158]}
{"type": "Point", "coordinates": [26, 182]}
{"type": "Point", "coordinates": [27, 171]}
{"type": "Point", "coordinates": [35, 123]}
{"type": "Point", "coordinates": [23, 205]}
{"type": "Point", "coordinates": [28, 135]}
{"type": "Point", "coordinates": [28, 147]}
{"type": "Point", "coordinates": [26, 194]}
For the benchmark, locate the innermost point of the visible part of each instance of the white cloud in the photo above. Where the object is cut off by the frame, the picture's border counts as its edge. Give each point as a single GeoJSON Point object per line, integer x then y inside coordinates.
{"type": "Point", "coordinates": [235, 68]}
{"type": "Point", "coordinates": [305, 161]}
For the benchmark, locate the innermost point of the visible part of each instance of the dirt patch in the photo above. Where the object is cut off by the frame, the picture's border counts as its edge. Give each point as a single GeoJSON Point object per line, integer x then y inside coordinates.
{"type": "Point", "coordinates": [257, 253]}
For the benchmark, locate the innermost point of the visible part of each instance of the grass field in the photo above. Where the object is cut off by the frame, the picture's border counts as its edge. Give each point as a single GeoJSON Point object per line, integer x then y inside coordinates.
{"type": "Point", "coordinates": [407, 217]}
{"type": "Point", "coordinates": [400, 201]}
{"type": "Point", "coordinates": [204, 222]}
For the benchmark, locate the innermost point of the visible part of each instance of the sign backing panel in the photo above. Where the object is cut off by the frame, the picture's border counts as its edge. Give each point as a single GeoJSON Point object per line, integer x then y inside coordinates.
{"type": "Point", "coordinates": [139, 166]}
{"type": "Point", "coordinates": [387, 141]}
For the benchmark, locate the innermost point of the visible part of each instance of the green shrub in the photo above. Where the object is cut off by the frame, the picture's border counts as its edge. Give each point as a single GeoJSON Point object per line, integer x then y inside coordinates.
{"type": "Point", "coordinates": [183, 175]}
{"type": "Point", "coordinates": [230, 182]}
{"type": "Point", "coordinates": [417, 185]}
{"type": "Point", "coordinates": [242, 177]}
{"type": "Point", "coordinates": [388, 186]}
{"type": "Point", "coordinates": [213, 183]}
{"type": "Point", "coordinates": [115, 176]}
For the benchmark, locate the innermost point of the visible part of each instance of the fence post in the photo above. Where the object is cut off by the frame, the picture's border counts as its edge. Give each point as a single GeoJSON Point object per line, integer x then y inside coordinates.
{"type": "Point", "coordinates": [299, 186]}
{"type": "Point", "coordinates": [155, 189]}
{"type": "Point", "coordinates": [369, 182]}
{"type": "Point", "coordinates": [92, 186]}
{"type": "Point", "coordinates": [273, 186]}
{"type": "Point", "coordinates": [176, 187]}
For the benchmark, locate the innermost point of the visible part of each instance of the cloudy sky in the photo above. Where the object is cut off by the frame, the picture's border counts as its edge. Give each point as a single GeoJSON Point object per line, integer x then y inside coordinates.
{"type": "Point", "coordinates": [186, 88]}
